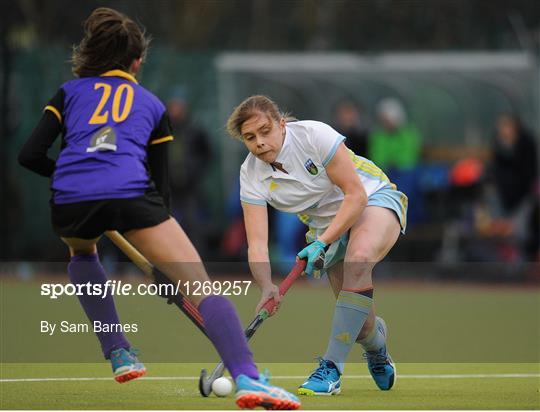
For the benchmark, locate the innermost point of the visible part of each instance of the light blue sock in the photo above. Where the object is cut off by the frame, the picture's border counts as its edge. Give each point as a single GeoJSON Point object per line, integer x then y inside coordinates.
{"type": "Point", "coordinates": [375, 340]}
{"type": "Point", "coordinates": [352, 310]}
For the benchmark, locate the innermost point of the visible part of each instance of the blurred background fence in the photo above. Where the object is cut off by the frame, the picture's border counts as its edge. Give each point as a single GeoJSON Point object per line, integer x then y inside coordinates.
{"type": "Point", "coordinates": [452, 98]}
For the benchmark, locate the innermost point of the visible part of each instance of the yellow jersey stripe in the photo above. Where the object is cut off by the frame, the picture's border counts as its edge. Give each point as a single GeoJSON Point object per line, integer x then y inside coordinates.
{"type": "Point", "coordinates": [120, 73]}
{"type": "Point", "coordinates": [55, 111]}
{"type": "Point", "coordinates": [305, 219]}
{"type": "Point", "coordinates": [373, 172]}
{"type": "Point", "coordinates": [404, 200]}
{"type": "Point", "coordinates": [362, 164]}
{"type": "Point", "coordinates": [368, 167]}
{"type": "Point", "coordinates": [162, 140]}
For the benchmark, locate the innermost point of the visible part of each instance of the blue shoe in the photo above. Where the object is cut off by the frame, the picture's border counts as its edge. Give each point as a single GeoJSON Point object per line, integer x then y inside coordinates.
{"type": "Point", "coordinates": [251, 393]}
{"type": "Point", "coordinates": [125, 365]}
{"type": "Point", "coordinates": [325, 380]}
{"type": "Point", "coordinates": [380, 363]}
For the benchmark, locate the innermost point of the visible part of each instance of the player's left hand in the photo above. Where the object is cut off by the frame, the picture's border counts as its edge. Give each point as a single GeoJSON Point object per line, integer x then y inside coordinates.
{"type": "Point", "coordinates": [315, 255]}
{"type": "Point", "coordinates": [267, 293]}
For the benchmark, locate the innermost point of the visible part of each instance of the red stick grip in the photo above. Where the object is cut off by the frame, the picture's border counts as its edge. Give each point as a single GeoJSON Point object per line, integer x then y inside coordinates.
{"type": "Point", "coordinates": [284, 286]}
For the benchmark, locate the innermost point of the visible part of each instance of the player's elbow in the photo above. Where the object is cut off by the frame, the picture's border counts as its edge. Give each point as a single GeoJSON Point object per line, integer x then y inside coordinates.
{"type": "Point", "coordinates": [36, 162]}
{"type": "Point", "coordinates": [361, 200]}
{"type": "Point", "coordinates": [357, 196]}
{"type": "Point", "coordinates": [26, 158]}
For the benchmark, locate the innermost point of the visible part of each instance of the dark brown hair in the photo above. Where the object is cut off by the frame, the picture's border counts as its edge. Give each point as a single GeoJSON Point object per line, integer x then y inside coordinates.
{"type": "Point", "coordinates": [249, 107]}
{"type": "Point", "coordinates": [111, 41]}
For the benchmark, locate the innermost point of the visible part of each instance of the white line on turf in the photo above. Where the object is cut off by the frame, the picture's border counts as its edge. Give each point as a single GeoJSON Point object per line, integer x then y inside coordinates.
{"type": "Point", "coordinates": [190, 378]}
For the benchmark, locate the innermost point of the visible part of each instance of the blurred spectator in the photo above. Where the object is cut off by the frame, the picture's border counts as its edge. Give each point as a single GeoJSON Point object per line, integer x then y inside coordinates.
{"type": "Point", "coordinates": [348, 121]}
{"type": "Point", "coordinates": [515, 178]}
{"type": "Point", "coordinates": [395, 147]}
{"type": "Point", "coordinates": [396, 143]}
{"type": "Point", "coordinates": [190, 159]}
{"type": "Point", "coordinates": [515, 164]}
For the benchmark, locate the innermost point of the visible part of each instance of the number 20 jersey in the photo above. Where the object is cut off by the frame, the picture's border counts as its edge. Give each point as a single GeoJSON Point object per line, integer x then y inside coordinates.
{"type": "Point", "coordinates": [108, 123]}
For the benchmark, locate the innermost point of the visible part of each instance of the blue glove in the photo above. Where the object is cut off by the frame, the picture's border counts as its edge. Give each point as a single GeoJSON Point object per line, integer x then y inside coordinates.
{"type": "Point", "coordinates": [315, 254]}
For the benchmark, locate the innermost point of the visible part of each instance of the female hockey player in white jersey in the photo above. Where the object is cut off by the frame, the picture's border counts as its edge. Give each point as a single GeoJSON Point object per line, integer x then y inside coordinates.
{"type": "Point", "coordinates": [354, 214]}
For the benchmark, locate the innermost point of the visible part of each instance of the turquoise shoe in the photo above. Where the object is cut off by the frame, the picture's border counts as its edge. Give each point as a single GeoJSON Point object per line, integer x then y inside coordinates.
{"type": "Point", "coordinates": [325, 380]}
{"type": "Point", "coordinates": [125, 365]}
{"type": "Point", "coordinates": [380, 364]}
{"type": "Point", "coordinates": [251, 393]}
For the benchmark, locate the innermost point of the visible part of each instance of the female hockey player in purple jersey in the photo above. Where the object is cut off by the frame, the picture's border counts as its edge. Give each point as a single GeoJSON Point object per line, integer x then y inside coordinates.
{"type": "Point", "coordinates": [112, 174]}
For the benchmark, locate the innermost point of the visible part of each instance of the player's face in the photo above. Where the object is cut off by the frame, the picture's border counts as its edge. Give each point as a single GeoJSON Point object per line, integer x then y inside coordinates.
{"type": "Point", "coordinates": [263, 136]}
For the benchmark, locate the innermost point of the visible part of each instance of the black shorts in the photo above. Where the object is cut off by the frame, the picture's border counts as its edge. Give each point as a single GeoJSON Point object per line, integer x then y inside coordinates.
{"type": "Point", "coordinates": [88, 220]}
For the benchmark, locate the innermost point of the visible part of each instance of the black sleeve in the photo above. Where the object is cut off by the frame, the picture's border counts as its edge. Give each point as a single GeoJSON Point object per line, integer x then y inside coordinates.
{"type": "Point", "coordinates": [163, 131]}
{"type": "Point", "coordinates": [33, 155]}
{"type": "Point", "coordinates": [158, 163]}
{"type": "Point", "coordinates": [158, 158]}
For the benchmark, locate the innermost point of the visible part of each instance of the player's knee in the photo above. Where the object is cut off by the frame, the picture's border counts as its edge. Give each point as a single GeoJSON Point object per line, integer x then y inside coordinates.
{"type": "Point", "coordinates": [363, 256]}
{"type": "Point", "coordinates": [359, 264]}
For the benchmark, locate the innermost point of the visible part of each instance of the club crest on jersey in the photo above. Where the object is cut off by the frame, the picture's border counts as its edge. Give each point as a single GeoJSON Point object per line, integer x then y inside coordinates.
{"type": "Point", "coordinates": [103, 139]}
{"type": "Point", "coordinates": [310, 167]}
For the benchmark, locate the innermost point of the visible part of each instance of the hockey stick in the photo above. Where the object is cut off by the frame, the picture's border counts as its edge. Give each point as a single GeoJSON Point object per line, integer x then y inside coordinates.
{"type": "Point", "coordinates": [149, 270]}
{"type": "Point", "coordinates": [205, 382]}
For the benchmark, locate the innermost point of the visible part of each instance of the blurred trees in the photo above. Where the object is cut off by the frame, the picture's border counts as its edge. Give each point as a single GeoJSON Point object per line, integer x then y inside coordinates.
{"type": "Point", "coordinates": [354, 25]}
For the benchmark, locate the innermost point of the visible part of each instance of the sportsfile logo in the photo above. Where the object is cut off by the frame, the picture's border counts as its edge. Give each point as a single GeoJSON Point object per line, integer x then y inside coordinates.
{"type": "Point", "coordinates": [109, 288]}
{"type": "Point", "coordinates": [120, 288]}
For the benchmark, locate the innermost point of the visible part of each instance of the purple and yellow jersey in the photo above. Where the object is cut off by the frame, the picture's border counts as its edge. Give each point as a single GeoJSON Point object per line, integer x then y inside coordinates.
{"type": "Point", "coordinates": [108, 123]}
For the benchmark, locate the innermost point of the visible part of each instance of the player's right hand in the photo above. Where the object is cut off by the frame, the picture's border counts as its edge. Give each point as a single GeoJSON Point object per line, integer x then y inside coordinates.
{"type": "Point", "coordinates": [268, 292]}
{"type": "Point", "coordinates": [315, 254]}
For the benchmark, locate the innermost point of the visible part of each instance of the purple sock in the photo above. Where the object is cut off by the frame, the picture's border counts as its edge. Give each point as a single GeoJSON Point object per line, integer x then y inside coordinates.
{"type": "Point", "coordinates": [87, 268]}
{"type": "Point", "coordinates": [225, 331]}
